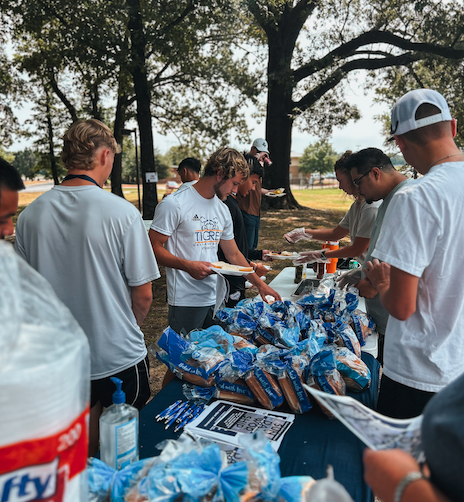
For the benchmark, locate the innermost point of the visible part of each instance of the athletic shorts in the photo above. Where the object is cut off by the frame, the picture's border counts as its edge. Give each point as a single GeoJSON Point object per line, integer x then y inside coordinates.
{"type": "Point", "coordinates": [135, 383]}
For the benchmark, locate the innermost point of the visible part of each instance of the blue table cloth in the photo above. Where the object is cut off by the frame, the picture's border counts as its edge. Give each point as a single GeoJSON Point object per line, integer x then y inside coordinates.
{"type": "Point", "coordinates": [312, 443]}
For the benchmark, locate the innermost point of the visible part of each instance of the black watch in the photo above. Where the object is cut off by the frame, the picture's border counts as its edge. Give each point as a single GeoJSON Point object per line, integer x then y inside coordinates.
{"type": "Point", "coordinates": [323, 256]}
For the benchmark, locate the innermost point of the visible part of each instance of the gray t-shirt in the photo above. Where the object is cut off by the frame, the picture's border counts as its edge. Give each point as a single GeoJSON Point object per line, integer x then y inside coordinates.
{"type": "Point", "coordinates": [359, 220]}
{"type": "Point", "coordinates": [374, 306]}
{"type": "Point", "coordinates": [92, 247]}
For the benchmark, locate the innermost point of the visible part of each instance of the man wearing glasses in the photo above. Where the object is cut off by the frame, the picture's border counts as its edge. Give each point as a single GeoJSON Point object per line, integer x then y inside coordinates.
{"type": "Point", "coordinates": [419, 281]}
{"type": "Point", "coordinates": [373, 173]}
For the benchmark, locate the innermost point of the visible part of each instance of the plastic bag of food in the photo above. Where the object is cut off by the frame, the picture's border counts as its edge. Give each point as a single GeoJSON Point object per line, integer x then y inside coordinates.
{"type": "Point", "coordinates": [45, 388]}
{"type": "Point", "coordinates": [291, 382]}
{"type": "Point", "coordinates": [182, 358]}
{"type": "Point", "coordinates": [324, 375]}
{"type": "Point", "coordinates": [353, 369]}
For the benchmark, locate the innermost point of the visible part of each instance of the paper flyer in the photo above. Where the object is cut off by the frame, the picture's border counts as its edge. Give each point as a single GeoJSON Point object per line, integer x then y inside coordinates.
{"type": "Point", "coordinates": [225, 422]}
{"type": "Point", "coordinates": [376, 431]}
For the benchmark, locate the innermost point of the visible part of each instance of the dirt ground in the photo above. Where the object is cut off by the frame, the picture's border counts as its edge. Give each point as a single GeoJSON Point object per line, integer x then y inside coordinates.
{"type": "Point", "coordinates": [273, 226]}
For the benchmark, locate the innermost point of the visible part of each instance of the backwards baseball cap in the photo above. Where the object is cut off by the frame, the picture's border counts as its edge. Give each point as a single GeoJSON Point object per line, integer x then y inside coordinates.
{"type": "Point", "coordinates": [403, 113]}
{"type": "Point", "coordinates": [261, 145]}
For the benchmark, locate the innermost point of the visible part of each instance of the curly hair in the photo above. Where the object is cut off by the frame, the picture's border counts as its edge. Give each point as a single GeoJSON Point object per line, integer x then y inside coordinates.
{"type": "Point", "coordinates": [81, 142]}
{"type": "Point", "coordinates": [229, 161]}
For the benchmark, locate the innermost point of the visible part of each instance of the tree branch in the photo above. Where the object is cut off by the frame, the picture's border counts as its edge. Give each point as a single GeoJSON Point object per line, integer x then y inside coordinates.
{"type": "Point", "coordinates": [69, 106]}
{"type": "Point", "coordinates": [373, 37]}
{"type": "Point", "coordinates": [338, 75]}
{"type": "Point", "coordinates": [189, 8]}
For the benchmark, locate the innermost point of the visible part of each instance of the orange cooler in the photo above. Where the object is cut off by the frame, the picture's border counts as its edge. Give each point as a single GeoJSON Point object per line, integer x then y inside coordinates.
{"type": "Point", "coordinates": [331, 267]}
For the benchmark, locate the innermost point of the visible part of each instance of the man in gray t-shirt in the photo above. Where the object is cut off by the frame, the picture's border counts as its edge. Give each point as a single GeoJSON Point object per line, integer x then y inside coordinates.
{"type": "Point", "coordinates": [374, 174]}
{"type": "Point", "coordinates": [93, 248]}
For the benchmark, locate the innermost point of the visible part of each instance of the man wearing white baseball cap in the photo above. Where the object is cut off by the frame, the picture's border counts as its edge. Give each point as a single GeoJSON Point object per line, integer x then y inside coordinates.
{"type": "Point", "coordinates": [420, 278]}
{"type": "Point", "coordinates": [250, 205]}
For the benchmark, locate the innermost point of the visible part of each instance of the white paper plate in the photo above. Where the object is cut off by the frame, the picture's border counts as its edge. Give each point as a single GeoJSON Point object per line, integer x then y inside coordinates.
{"type": "Point", "coordinates": [273, 195]}
{"type": "Point", "coordinates": [220, 271]}
{"type": "Point", "coordinates": [280, 257]}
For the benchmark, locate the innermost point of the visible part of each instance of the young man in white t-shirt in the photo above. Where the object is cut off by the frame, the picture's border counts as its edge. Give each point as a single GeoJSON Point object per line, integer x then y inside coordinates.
{"type": "Point", "coordinates": [420, 278]}
{"type": "Point", "coordinates": [93, 248]}
{"type": "Point", "coordinates": [185, 234]}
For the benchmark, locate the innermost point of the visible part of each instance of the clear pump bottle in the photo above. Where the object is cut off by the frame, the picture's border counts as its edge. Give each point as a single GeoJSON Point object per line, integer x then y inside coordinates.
{"type": "Point", "coordinates": [119, 431]}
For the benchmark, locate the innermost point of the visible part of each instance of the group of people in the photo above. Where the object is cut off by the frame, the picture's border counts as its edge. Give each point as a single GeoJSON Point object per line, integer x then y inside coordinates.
{"type": "Point", "coordinates": [94, 250]}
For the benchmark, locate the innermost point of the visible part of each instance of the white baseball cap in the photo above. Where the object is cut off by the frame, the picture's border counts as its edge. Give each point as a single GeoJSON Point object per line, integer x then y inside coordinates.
{"type": "Point", "coordinates": [261, 145]}
{"type": "Point", "coordinates": [403, 113]}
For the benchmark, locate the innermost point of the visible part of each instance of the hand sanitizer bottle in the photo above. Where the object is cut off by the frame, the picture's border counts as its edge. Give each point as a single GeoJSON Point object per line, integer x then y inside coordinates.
{"type": "Point", "coordinates": [119, 431]}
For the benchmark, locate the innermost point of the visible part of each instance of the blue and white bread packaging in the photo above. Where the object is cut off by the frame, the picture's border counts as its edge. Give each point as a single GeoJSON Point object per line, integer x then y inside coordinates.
{"type": "Point", "coordinates": [45, 388]}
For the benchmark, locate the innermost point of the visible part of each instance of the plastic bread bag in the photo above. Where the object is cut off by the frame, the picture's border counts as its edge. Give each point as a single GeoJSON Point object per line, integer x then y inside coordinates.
{"type": "Point", "coordinates": [304, 321]}
{"type": "Point", "coordinates": [317, 337]}
{"type": "Point", "coordinates": [176, 353]}
{"type": "Point", "coordinates": [230, 382]}
{"type": "Point", "coordinates": [265, 388]}
{"type": "Point", "coordinates": [343, 335]}
{"type": "Point", "coordinates": [225, 314]}
{"type": "Point", "coordinates": [285, 333]}
{"type": "Point", "coordinates": [362, 325]}
{"type": "Point", "coordinates": [291, 382]}
{"type": "Point", "coordinates": [254, 307]}
{"type": "Point", "coordinates": [214, 337]}
{"type": "Point", "coordinates": [243, 345]}
{"type": "Point", "coordinates": [295, 488]}
{"type": "Point", "coordinates": [285, 309]}
{"type": "Point", "coordinates": [241, 324]}
{"type": "Point", "coordinates": [197, 394]}
{"type": "Point", "coordinates": [352, 299]}
{"type": "Point", "coordinates": [353, 369]}
{"type": "Point", "coordinates": [324, 375]}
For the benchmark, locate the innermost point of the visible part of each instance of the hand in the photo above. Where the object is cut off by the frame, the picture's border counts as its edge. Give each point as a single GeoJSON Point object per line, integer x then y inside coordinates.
{"type": "Point", "coordinates": [267, 258]}
{"type": "Point", "coordinates": [378, 274]}
{"type": "Point", "coordinates": [384, 469]}
{"type": "Point", "coordinates": [260, 269]}
{"type": "Point", "coordinates": [349, 278]}
{"type": "Point", "coordinates": [310, 257]}
{"type": "Point", "coordinates": [199, 269]}
{"type": "Point", "coordinates": [296, 235]}
{"type": "Point", "coordinates": [365, 288]}
{"type": "Point", "coordinates": [265, 290]}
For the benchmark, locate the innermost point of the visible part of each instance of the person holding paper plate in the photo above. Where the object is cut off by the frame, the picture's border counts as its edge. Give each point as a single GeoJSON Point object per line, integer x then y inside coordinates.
{"type": "Point", "coordinates": [357, 223]}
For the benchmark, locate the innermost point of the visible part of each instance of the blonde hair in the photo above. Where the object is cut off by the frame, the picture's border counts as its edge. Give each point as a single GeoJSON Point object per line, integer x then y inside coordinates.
{"type": "Point", "coordinates": [81, 142]}
{"type": "Point", "coordinates": [229, 161]}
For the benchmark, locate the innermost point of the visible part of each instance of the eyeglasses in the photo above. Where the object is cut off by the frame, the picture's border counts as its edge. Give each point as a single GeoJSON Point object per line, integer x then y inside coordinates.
{"type": "Point", "coordinates": [357, 181]}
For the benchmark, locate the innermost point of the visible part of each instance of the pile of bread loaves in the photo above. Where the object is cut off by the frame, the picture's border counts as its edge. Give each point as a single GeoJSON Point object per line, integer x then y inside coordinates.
{"type": "Point", "coordinates": [267, 351]}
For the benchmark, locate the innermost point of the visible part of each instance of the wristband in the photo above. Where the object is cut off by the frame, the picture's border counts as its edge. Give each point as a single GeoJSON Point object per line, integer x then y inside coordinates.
{"type": "Point", "coordinates": [404, 483]}
{"type": "Point", "coordinates": [323, 256]}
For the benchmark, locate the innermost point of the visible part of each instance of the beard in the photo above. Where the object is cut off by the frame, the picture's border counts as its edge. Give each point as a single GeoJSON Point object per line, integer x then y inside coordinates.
{"type": "Point", "coordinates": [217, 190]}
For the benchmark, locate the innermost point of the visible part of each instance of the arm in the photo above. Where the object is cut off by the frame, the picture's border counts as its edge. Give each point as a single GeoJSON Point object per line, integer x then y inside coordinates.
{"type": "Point", "coordinates": [234, 256]}
{"type": "Point", "coordinates": [142, 297]}
{"type": "Point", "coordinates": [327, 234]}
{"type": "Point", "coordinates": [383, 470]}
{"type": "Point", "coordinates": [358, 247]}
{"type": "Point", "coordinates": [197, 269]}
{"type": "Point", "coordinates": [397, 289]}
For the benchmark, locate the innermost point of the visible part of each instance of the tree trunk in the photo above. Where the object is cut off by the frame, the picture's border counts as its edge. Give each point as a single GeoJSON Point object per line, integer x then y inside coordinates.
{"type": "Point", "coordinates": [119, 121]}
{"type": "Point", "coordinates": [139, 76]}
{"type": "Point", "coordinates": [279, 123]}
{"type": "Point", "coordinates": [51, 145]}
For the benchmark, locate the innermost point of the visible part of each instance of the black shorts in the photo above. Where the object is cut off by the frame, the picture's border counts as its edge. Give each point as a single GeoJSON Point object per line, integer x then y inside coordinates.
{"type": "Point", "coordinates": [135, 383]}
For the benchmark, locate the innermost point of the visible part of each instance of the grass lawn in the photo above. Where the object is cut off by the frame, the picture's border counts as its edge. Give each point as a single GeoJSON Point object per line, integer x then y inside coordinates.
{"type": "Point", "coordinates": [324, 208]}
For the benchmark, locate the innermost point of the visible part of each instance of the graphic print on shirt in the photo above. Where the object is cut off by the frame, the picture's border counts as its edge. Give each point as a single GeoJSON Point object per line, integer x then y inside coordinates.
{"type": "Point", "coordinates": [209, 234]}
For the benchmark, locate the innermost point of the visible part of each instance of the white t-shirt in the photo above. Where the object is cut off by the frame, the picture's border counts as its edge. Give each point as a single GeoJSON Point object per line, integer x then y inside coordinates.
{"type": "Point", "coordinates": [195, 227]}
{"type": "Point", "coordinates": [92, 246]}
{"type": "Point", "coordinates": [422, 235]}
{"type": "Point", "coordinates": [359, 220]}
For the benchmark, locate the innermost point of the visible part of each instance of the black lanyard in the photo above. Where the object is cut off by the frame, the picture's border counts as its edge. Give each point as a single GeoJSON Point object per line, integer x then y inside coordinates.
{"type": "Point", "coordinates": [81, 177]}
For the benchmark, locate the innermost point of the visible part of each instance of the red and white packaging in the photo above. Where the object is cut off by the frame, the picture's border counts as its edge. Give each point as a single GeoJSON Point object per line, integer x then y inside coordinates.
{"type": "Point", "coordinates": [45, 387]}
